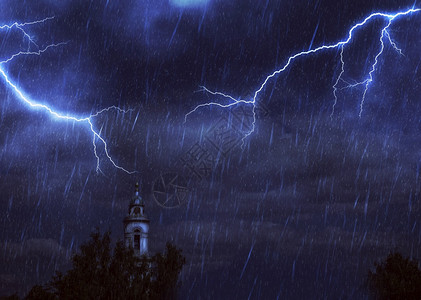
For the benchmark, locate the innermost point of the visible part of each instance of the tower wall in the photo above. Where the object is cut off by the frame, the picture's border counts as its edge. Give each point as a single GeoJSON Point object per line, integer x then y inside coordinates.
{"type": "Point", "coordinates": [136, 225]}
{"type": "Point", "coordinates": [129, 236]}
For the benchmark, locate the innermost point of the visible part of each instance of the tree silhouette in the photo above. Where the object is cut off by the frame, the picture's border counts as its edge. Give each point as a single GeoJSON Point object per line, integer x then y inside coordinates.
{"type": "Point", "coordinates": [11, 297]}
{"type": "Point", "coordinates": [40, 292]}
{"type": "Point", "coordinates": [166, 271]}
{"type": "Point", "coordinates": [99, 273]}
{"type": "Point", "coordinates": [395, 278]}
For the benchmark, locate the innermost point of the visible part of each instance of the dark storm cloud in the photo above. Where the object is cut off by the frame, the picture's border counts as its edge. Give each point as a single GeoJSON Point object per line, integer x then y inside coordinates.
{"type": "Point", "coordinates": [31, 259]}
{"type": "Point", "coordinates": [44, 247]}
{"type": "Point", "coordinates": [313, 201]}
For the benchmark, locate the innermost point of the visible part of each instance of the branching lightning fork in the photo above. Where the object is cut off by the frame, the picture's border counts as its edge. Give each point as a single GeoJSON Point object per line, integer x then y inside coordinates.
{"type": "Point", "coordinates": [384, 36]}
{"type": "Point", "coordinates": [35, 105]}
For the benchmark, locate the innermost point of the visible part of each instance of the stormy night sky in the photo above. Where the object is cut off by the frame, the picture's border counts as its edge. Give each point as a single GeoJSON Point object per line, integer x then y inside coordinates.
{"type": "Point", "coordinates": [300, 206]}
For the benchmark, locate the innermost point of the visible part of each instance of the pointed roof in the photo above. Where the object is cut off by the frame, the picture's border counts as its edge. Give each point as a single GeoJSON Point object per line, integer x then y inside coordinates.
{"type": "Point", "coordinates": [137, 199]}
{"type": "Point", "coordinates": [136, 209]}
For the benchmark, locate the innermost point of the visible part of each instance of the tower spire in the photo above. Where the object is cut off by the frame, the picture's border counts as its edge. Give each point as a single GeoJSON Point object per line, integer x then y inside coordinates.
{"type": "Point", "coordinates": [136, 225]}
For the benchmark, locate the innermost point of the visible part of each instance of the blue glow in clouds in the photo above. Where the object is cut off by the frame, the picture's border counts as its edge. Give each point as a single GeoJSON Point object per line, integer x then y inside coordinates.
{"type": "Point", "coordinates": [189, 3]}
{"type": "Point", "coordinates": [384, 36]}
{"type": "Point", "coordinates": [30, 103]}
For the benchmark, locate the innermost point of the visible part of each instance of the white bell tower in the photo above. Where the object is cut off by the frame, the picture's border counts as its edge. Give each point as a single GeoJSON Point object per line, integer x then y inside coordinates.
{"type": "Point", "coordinates": [136, 225]}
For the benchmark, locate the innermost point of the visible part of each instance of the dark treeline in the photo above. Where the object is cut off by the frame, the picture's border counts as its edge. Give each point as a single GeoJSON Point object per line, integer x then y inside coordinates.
{"type": "Point", "coordinates": [395, 278]}
{"type": "Point", "coordinates": [100, 272]}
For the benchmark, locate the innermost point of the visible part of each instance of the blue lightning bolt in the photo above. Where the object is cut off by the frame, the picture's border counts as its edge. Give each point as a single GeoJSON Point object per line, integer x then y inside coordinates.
{"type": "Point", "coordinates": [21, 25]}
{"type": "Point", "coordinates": [341, 44]}
{"type": "Point", "coordinates": [35, 105]}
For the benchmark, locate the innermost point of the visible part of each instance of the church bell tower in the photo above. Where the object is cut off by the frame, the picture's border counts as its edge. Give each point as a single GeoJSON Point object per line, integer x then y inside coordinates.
{"type": "Point", "coordinates": [136, 225]}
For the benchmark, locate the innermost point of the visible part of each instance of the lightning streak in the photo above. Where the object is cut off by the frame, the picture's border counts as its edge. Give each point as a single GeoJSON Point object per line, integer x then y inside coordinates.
{"type": "Point", "coordinates": [373, 67]}
{"type": "Point", "coordinates": [235, 101]}
{"type": "Point", "coordinates": [341, 44]}
{"type": "Point", "coordinates": [36, 105]}
{"type": "Point", "coordinates": [393, 43]}
{"type": "Point", "coordinates": [21, 25]}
